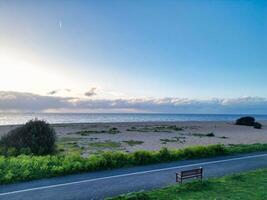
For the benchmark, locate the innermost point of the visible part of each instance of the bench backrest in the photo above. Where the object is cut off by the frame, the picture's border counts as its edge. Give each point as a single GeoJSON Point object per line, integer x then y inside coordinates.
{"type": "Point", "coordinates": [192, 172]}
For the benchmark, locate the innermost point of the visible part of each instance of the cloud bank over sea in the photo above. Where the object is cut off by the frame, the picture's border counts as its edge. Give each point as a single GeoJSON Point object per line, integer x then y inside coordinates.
{"type": "Point", "coordinates": [11, 101]}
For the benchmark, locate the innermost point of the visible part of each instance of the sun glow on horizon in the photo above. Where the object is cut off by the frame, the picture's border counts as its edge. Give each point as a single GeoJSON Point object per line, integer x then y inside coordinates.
{"type": "Point", "coordinates": [25, 73]}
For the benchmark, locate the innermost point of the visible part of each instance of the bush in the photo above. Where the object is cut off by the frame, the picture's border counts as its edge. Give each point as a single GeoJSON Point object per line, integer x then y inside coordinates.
{"type": "Point", "coordinates": [248, 121]}
{"type": "Point", "coordinates": [210, 135]}
{"type": "Point", "coordinates": [164, 154]}
{"type": "Point", "coordinates": [257, 125]}
{"type": "Point", "coordinates": [245, 121]}
{"type": "Point", "coordinates": [35, 137]}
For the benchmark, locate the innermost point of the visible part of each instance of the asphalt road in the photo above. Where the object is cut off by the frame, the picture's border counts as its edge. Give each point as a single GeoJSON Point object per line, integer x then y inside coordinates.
{"type": "Point", "coordinates": [98, 185]}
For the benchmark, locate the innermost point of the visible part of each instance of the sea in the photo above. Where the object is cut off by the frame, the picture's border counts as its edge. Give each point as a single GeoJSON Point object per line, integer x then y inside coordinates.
{"type": "Point", "coordinates": [20, 118]}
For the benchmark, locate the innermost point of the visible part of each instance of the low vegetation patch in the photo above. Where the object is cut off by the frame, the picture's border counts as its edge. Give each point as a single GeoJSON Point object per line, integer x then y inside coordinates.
{"type": "Point", "coordinates": [26, 167]}
{"type": "Point", "coordinates": [68, 145]}
{"type": "Point", "coordinates": [108, 145]}
{"type": "Point", "coordinates": [156, 129]}
{"type": "Point", "coordinates": [133, 142]}
{"type": "Point", "coordinates": [112, 130]}
{"type": "Point", "coordinates": [203, 134]}
{"type": "Point", "coordinates": [223, 137]}
{"type": "Point", "coordinates": [245, 186]}
{"type": "Point", "coordinates": [179, 139]}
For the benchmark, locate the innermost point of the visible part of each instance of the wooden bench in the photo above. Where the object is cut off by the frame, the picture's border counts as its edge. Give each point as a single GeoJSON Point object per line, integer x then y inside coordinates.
{"type": "Point", "coordinates": [188, 174]}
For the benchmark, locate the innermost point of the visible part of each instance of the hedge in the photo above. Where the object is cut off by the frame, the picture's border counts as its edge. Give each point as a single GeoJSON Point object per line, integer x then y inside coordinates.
{"type": "Point", "coordinates": [25, 167]}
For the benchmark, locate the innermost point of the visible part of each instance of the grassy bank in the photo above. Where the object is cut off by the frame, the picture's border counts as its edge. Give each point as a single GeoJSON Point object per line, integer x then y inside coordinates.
{"type": "Point", "coordinates": [22, 168]}
{"type": "Point", "coordinates": [245, 186]}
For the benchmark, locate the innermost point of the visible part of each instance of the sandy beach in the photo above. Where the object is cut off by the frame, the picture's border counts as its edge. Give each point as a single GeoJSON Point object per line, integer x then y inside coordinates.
{"type": "Point", "coordinates": [98, 137]}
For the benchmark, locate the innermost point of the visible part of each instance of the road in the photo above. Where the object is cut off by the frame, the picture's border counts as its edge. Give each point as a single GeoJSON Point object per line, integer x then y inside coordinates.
{"type": "Point", "coordinates": [98, 185]}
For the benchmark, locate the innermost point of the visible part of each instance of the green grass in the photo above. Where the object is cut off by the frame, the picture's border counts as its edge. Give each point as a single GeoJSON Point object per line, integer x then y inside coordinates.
{"type": "Point", "coordinates": [156, 129]}
{"type": "Point", "coordinates": [177, 139]}
{"type": "Point", "coordinates": [167, 140]}
{"type": "Point", "coordinates": [245, 186]}
{"type": "Point", "coordinates": [25, 167]}
{"type": "Point", "coordinates": [106, 144]}
{"type": "Point", "coordinates": [112, 130]}
{"type": "Point", "coordinates": [88, 132]}
{"type": "Point", "coordinates": [69, 145]}
{"type": "Point", "coordinates": [133, 142]}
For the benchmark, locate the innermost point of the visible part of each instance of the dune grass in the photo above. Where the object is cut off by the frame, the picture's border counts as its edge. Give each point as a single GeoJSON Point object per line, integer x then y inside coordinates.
{"type": "Point", "coordinates": [25, 167]}
{"type": "Point", "coordinates": [245, 186]}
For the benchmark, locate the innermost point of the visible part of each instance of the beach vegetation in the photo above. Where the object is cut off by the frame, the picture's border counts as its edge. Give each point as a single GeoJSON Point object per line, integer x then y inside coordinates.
{"type": "Point", "coordinates": [162, 128]}
{"type": "Point", "coordinates": [257, 125]}
{"type": "Point", "coordinates": [107, 143]}
{"type": "Point", "coordinates": [211, 134]}
{"type": "Point", "coordinates": [133, 142]}
{"type": "Point", "coordinates": [223, 137]}
{"type": "Point", "coordinates": [112, 130]}
{"type": "Point", "coordinates": [248, 121]}
{"type": "Point", "coordinates": [177, 139]}
{"type": "Point", "coordinates": [245, 121]}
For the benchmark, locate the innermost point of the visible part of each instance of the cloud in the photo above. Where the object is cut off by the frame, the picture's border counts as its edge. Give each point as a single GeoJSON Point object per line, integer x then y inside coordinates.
{"type": "Point", "coordinates": [91, 92]}
{"type": "Point", "coordinates": [18, 101]}
{"type": "Point", "coordinates": [53, 92]}
{"type": "Point", "coordinates": [22, 102]}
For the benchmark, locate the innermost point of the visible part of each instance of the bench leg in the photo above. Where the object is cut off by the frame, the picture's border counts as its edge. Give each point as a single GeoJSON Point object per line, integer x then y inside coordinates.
{"type": "Point", "coordinates": [179, 180]}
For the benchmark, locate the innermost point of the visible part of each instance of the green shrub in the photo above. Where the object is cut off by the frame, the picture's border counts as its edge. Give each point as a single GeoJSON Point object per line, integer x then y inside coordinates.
{"type": "Point", "coordinates": [246, 148]}
{"type": "Point", "coordinates": [248, 121]}
{"type": "Point", "coordinates": [36, 137]}
{"type": "Point", "coordinates": [164, 155]}
{"type": "Point", "coordinates": [143, 157]}
{"type": "Point", "coordinates": [245, 121]}
{"type": "Point", "coordinates": [25, 167]}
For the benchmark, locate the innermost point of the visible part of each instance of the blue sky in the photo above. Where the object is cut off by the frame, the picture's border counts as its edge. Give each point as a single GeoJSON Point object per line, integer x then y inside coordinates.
{"type": "Point", "coordinates": [135, 49]}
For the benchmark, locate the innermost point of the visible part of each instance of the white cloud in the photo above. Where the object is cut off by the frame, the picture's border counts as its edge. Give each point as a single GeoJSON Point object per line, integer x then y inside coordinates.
{"type": "Point", "coordinates": [21, 102]}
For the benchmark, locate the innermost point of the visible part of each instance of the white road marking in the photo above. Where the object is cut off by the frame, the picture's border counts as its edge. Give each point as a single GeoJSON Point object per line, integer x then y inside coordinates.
{"type": "Point", "coordinates": [131, 174]}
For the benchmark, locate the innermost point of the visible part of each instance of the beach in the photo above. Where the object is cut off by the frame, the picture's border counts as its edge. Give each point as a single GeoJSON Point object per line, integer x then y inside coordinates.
{"type": "Point", "coordinates": [93, 138]}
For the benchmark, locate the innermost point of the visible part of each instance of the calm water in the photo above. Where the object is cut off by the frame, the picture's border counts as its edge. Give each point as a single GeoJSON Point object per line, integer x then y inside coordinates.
{"type": "Point", "coordinates": [93, 117]}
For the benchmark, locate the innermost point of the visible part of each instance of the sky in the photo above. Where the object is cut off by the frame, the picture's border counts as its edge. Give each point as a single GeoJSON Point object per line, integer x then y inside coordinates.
{"type": "Point", "coordinates": [133, 56]}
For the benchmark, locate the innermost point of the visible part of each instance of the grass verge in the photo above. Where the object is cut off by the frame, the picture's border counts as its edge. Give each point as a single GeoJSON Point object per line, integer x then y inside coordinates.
{"type": "Point", "coordinates": [245, 186]}
{"type": "Point", "coordinates": [23, 167]}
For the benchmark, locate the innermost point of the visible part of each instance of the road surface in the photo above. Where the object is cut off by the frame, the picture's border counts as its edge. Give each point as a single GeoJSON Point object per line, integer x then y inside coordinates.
{"type": "Point", "coordinates": [98, 185]}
